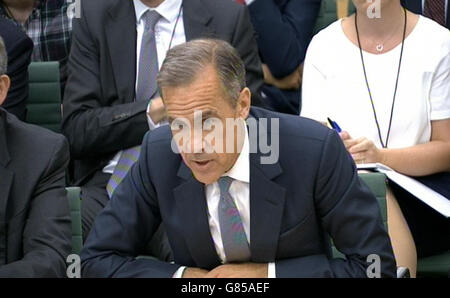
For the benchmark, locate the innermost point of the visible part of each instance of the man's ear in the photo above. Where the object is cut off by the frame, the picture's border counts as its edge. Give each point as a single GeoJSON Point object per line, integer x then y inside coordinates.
{"type": "Point", "coordinates": [5, 83]}
{"type": "Point", "coordinates": [244, 102]}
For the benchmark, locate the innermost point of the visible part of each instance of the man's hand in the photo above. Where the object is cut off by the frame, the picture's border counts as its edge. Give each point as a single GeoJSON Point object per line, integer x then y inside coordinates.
{"type": "Point", "coordinates": [290, 82]}
{"type": "Point", "coordinates": [157, 110]}
{"type": "Point", "coordinates": [244, 270]}
{"type": "Point", "coordinates": [362, 149]}
{"type": "Point", "coordinates": [194, 273]}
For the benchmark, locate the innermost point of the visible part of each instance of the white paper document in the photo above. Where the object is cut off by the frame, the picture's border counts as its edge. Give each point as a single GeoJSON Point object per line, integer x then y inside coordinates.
{"type": "Point", "coordinates": [427, 195]}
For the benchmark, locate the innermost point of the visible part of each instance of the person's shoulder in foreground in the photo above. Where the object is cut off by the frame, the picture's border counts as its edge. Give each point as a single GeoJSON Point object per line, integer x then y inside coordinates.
{"type": "Point", "coordinates": [32, 167]}
{"type": "Point", "coordinates": [19, 48]}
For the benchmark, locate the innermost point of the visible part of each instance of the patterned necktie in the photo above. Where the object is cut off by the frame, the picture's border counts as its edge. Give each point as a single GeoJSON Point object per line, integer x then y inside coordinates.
{"type": "Point", "coordinates": [126, 161]}
{"type": "Point", "coordinates": [148, 58]}
{"type": "Point", "coordinates": [234, 240]}
{"type": "Point", "coordinates": [146, 87]}
{"type": "Point", "coordinates": [435, 9]}
{"type": "Point", "coordinates": [240, 1]}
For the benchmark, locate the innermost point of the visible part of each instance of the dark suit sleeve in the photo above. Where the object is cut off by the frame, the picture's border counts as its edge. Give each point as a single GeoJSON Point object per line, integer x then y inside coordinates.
{"type": "Point", "coordinates": [350, 214]}
{"type": "Point", "coordinates": [19, 48]}
{"type": "Point", "coordinates": [123, 229]}
{"type": "Point", "coordinates": [47, 233]}
{"type": "Point", "coordinates": [92, 127]}
{"type": "Point", "coordinates": [284, 32]}
{"type": "Point", "coordinates": [244, 42]}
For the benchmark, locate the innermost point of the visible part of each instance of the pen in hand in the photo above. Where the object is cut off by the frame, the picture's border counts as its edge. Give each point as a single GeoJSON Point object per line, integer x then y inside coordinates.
{"type": "Point", "coordinates": [334, 125]}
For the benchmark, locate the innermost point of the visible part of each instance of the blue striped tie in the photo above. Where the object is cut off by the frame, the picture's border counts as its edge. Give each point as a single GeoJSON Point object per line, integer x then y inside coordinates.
{"type": "Point", "coordinates": [126, 161]}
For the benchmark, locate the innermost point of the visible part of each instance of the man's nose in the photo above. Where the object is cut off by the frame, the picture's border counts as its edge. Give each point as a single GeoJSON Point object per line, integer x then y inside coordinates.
{"type": "Point", "coordinates": [197, 143]}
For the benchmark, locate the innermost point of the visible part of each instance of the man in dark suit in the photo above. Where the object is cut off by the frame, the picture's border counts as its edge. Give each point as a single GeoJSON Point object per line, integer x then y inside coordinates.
{"type": "Point", "coordinates": [35, 225]}
{"type": "Point", "coordinates": [224, 199]}
{"type": "Point", "coordinates": [112, 69]}
{"type": "Point", "coordinates": [437, 10]}
{"type": "Point", "coordinates": [284, 29]}
{"type": "Point", "coordinates": [19, 48]}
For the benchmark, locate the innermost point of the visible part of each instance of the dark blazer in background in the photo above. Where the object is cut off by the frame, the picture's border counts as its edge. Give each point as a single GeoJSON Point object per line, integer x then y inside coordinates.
{"type": "Point", "coordinates": [19, 48]}
{"type": "Point", "coordinates": [415, 6]}
{"type": "Point", "coordinates": [284, 30]}
{"type": "Point", "coordinates": [312, 190]}
{"type": "Point", "coordinates": [35, 224]}
{"type": "Point", "coordinates": [100, 116]}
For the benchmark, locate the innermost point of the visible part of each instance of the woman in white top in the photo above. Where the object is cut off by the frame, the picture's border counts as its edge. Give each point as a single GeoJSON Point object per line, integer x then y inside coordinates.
{"type": "Point", "coordinates": [386, 82]}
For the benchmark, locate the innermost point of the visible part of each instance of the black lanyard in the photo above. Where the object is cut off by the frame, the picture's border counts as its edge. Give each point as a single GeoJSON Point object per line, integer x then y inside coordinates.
{"type": "Point", "coordinates": [384, 144]}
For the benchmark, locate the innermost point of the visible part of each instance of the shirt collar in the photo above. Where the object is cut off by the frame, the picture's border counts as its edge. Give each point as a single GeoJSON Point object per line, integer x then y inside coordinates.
{"type": "Point", "coordinates": [168, 9]}
{"type": "Point", "coordinates": [241, 169]}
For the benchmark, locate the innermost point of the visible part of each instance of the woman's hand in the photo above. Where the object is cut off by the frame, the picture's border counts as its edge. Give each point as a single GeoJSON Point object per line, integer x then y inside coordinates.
{"type": "Point", "coordinates": [362, 149]}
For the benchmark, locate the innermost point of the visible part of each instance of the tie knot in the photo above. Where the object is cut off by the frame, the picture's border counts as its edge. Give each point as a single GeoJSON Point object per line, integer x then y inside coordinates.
{"type": "Point", "coordinates": [151, 17]}
{"type": "Point", "coordinates": [224, 184]}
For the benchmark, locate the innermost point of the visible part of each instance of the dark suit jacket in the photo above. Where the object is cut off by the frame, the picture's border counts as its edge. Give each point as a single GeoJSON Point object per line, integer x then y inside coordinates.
{"type": "Point", "coordinates": [100, 116]}
{"type": "Point", "coordinates": [284, 29]}
{"type": "Point", "coordinates": [35, 224]}
{"type": "Point", "coordinates": [415, 6]}
{"type": "Point", "coordinates": [19, 48]}
{"type": "Point", "coordinates": [312, 190]}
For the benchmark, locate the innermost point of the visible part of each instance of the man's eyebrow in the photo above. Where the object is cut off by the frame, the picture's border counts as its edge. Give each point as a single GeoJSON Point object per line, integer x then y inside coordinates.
{"type": "Point", "coordinates": [208, 114]}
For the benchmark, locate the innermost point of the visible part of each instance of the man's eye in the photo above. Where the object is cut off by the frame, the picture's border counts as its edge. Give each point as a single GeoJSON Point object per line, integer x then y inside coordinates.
{"type": "Point", "coordinates": [210, 123]}
{"type": "Point", "coordinates": [177, 125]}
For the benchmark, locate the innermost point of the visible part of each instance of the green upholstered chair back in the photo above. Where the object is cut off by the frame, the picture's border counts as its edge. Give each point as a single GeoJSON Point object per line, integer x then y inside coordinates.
{"type": "Point", "coordinates": [44, 100]}
{"type": "Point", "coordinates": [434, 266]}
{"type": "Point", "coordinates": [73, 195]}
{"type": "Point", "coordinates": [328, 14]}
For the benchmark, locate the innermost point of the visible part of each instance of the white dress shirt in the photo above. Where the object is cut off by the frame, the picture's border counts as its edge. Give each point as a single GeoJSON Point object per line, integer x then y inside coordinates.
{"type": "Point", "coordinates": [240, 192]}
{"type": "Point", "coordinates": [169, 11]}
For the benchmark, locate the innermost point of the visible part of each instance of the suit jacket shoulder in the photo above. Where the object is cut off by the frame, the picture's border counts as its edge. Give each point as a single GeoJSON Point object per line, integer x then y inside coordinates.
{"type": "Point", "coordinates": [33, 163]}
{"type": "Point", "coordinates": [19, 48]}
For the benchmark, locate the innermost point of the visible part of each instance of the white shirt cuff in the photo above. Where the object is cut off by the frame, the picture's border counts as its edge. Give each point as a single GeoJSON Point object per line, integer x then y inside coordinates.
{"type": "Point", "coordinates": [151, 125]}
{"type": "Point", "coordinates": [179, 272]}
{"type": "Point", "coordinates": [271, 272]}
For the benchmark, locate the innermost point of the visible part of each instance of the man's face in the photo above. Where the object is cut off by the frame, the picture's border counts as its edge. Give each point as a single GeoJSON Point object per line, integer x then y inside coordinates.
{"type": "Point", "coordinates": [204, 155]}
{"type": "Point", "coordinates": [4, 87]}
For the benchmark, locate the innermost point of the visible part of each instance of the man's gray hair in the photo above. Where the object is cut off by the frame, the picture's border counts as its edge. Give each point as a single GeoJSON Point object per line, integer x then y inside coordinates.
{"type": "Point", "coordinates": [184, 62]}
{"type": "Point", "coordinates": [3, 57]}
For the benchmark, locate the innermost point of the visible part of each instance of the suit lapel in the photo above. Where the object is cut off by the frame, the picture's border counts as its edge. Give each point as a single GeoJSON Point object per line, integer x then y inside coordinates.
{"type": "Point", "coordinates": [6, 179]}
{"type": "Point", "coordinates": [448, 15]}
{"type": "Point", "coordinates": [266, 209]}
{"type": "Point", "coordinates": [6, 176]}
{"type": "Point", "coordinates": [193, 212]}
{"type": "Point", "coordinates": [266, 203]}
{"type": "Point", "coordinates": [121, 36]}
{"type": "Point", "coordinates": [197, 20]}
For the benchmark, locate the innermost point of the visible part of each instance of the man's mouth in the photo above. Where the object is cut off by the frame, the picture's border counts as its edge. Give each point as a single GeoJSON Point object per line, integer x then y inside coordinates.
{"type": "Point", "coordinates": [201, 164]}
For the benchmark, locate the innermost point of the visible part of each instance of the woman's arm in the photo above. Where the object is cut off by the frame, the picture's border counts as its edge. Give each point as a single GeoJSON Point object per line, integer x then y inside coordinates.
{"type": "Point", "coordinates": [424, 159]}
{"type": "Point", "coordinates": [419, 160]}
